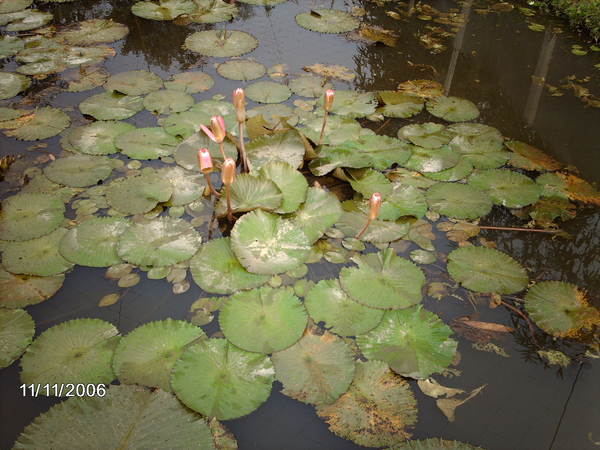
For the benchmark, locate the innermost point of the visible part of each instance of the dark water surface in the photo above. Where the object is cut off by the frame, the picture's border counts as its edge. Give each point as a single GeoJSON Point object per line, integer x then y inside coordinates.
{"type": "Point", "coordinates": [525, 404]}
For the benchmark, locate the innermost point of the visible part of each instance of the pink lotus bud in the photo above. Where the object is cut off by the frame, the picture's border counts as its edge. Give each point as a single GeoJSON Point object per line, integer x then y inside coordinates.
{"type": "Point", "coordinates": [239, 102]}
{"type": "Point", "coordinates": [209, 133]}
{"type": "Point", "coordinates": [329, 95]}
{"type": "Point", "coordinates": [228, 171]}
{"type": "Point", "coordinates": [374, 205]}
{"type": "Point", "coordinates": [217, 125]}
{"type": "Point", "coordinates": [205, 160]}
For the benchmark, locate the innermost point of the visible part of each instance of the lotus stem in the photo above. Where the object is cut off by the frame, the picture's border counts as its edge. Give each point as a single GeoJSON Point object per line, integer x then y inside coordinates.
{"type": "Point", "coordinates": [210, 185]}
{"type": "Point", "coordinates": [239, 102]}
{"type": "Point", "coordinates": [361, 232]}
{"type": "Point", "coordinates": [245, 164]}
{"type": "Point", "coordinates": [323, 127]}
{"type": "Point", "coordinates": [227, 176]}
{"type": "Point", "coordinates": [374, 207]}
{"type": "Point", "coordinates": [228, 197]}
{"type": "Point", "coordinates": [206, 167]}
{"type": "Point", "coordinates": [327, 104]}
{"type": "Point", "coordinates": [222, 150]}
{"type": "Point", "coordinates": [518, 229]}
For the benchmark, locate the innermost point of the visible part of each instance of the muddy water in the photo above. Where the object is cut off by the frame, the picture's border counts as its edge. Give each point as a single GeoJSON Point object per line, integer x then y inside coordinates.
{"type": "Point", "coordinates": [525, 405]}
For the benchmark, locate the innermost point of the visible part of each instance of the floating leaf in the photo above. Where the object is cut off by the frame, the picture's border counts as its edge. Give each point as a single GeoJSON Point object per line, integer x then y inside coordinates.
{"type": "Point", "coordinates": [263, 2]}
{"type": "Point", "coordinates": [452, 109]}
{"type": "Point", "coordinates": [432, 160]}
{"type": "Point", "coordinates": [352, 104]}
{"type": "Point", "coordinates": [163, 9]}
{"type": "Point", "coordinates": [481, 145]}
{"type": "Point", "coordinates": [209, 377]}
{"type": "Point", "coordinates": [12, 83]}
{"type": "Point", "coordinates": [93, 31]}
{"type": "Point", "coordinates": [291, 183]}
{"type": "Point", "coordinates": [332, 71]}
{"type": "Point", "coordinates": [413, 341]}
{"type": "Point", "coordinates": [98, 138]}
{"type": "Point", "coordinates": [383, 280]}
{"type": "Point", "coordinates": [186, 154]}
{"type": "Point", "coordinates": [167, 101]}
{"type": "Point", "coordinates": [109, 300]}
{"type": "Point", "coordinates": [460, 171]}
{"type": "Point", "coordinates": [268, 92]}
{"type": "Point", "coordinates": [377, 410]}
{"type": "Point", "coordinates": [147, 354]}
{"type": "Point", "coordinates": [16, 332]}
{"type": "Point", "coordinates": [25, 20]}
{"type": "Point", "coordinates": [9, 6]}
{"type": "Point", "coordinates": [190, 82]}
{"type": "Point", "coordinates": [135, 82]}
{"type": "Point", "coordinates": [78, 351]}
{"type": "Point", "coordinates": [399, 105]}
{"type": "Point", "coordinates": [506, 188]}
{"type": "Point", "coordinates": [327, 21]}
{"type": "Point", "coordinates": [146, 143]}
{"type": "Point", "coordinates": [459, 201]}
{"type": "Point", "coordinates": [287, 147]}
{"type": "Point", "coordinates": [319, 212]}
{"type": "Point", "coordinates": [159, 242]}
{"type": "Point", "coordinates": [368, 181]}
{"type": "Point", "coordinates": [221, 43]}
{"type": "Point", "coordinates": [111, 106]}
{"type": "Point", "coordinates": [79, 170]}
{"type": "Point", "coordinates": [435, 444]}
{"type": "Point", "coordinates": [187, 186]}
{"type": "Point", "coordinates": [421, 88]}
{"type": "Point", "coordinates": [241, 69]}
{"type": "Point", "coordinates": [212, 11]}
{"type": "Point", "coordinates": [249, 192]}
{"type": "Point", "coordinates": [532, 158]}
{"type": "Point", "coordinates": [27, 216]}
{"type": "Point", "coordinates": [379, 231]}
{"type": "Point", "coordinates": [275, 319]}
{"type": "Point", "coordinates": [10, 45]}
{"type": "Point", "coordinates": [337, 131]}
{"type": "Point", "coordinates": [309, 86]}
{"type": "Point", "coordinates": [427, 135]}
{"type": "Point", "coordinates": [137, 194]}
{"type": "Point", "coordinates": [18, 291]}
{"type": "Point", "coordinates": [483, 269]}
{"type": "Point", "coordinates": [40, 124]}
{"type": "Point", "coordinates": [449, 405]}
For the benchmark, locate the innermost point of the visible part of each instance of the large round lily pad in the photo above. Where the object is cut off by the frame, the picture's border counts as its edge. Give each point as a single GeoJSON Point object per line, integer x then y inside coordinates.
{"type": "Point", "coordinates": [40, 124]}
{"type": "Point", "coordinates": [318, 213]}
{"type": "Point", "coordinates": [481, 145]}
{"type": "Point", "coordinates": [221, 43]}
{"type": "Point", "coordinates": [459, 201]}
{"type": "Point", "coordinates": [111, 106]}
{"type": "Point", "coordinates": [10, 45]}
{"type": "Point", "coordinates": [291, 183]}
{"type": "Point", "coordinates": [352, 104]}
{"type": "Point", "coordinates": [135, 82]}
{"type": "Point", "coordinates": [18, 291]}
{"type": "Point", "coordinates": [309, 85]}
{"type": "Point", "coordinates": [126, 417]}
{"type": "Point", "coordinates": [250, 192]}
{"type": "Point", "coordinates": [483, 269]}
{"type": "Point", "coordinates": [327, 302]}
{"type": "Point", "coordinates": [79, 170]}
{"type": "Point", "coordinates": [186, 154]}
{"type": "Point", "coordinates": [268, 92]}
{"type": "Point", "coordinates": [383, 280]}
{"type": "Point", "coordinates": [76, 351]}
{"type": "Point", "coordinates": [159, 242]}
{"type": "Point", "coordinates": [414, 342]}
{"type": "Point", "coordinates": [147, 354]}
{"type": "Point", "coordinates": [163, 9]}
{"type": "Point", "coordinates": [167, 101]}
{"type": "Point", "coordinates": [190, 82]}
{"type": "Point", "coordinates": [241, 69]}
{"type": "Point", "coordinates": [146, 143]}
{"type": "Point", "coordinates": [12, 83]}
{"type": "Point", "coordinates": [316, 369]}
{"type": "Point", "coordinates": [377, 411]}
{"type": "Point", "coordinates": [93, 243]}
{"type": "Point", "coordinates": [507, 188]}
{"type": "Point", "coordinates": [427, 135]}
{"type": "Point", "coordinates": [217, 271]}
{"type": "Point", "coordinates": [287, 147]}
{"type": "Point", "coordinates": [94, 31]}
{"type": "Point", "coordinates": [265, 243]}
{"type": "Point", "coordinates": [452, 109]}
{"type": "Point", "coordinates": [379, 231]}
{"type": "Point", "coordinates": [136, 194]}
{"type": "Point", "coordinates": [26, 216]}
{"type": "Point", "coordinates": [560, 309]}
{"type": "Point", "coordinates": [187, 186]}
{"type": "Point", "coordinates": [327, 21]}
{"type": "Point", "coordinates": [16, 332]}
{"type": "Point", "coordinates": [220, 380]}
{"type": "Point", "coordinates": [263, 320]}
{"type": "Point", "coordinates": [9, 6]}
{"type": "Point", "coordinates": [98, 138]}
{"type": "Point", "coordinates": [428, 160]}
{"type": "Point", "coordinates": [400, 105]}
{"type": "Point", "coordinates": [212, 11]}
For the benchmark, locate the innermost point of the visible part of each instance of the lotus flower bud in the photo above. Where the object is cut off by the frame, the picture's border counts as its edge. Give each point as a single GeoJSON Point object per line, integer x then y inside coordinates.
{"type": "Point", "coordinates": [228, 171]}
{"type": "Point", "coordinates": [374, 205]}
{"type": "Point", "coordinates": [205, 160]}
{"type": "Point", "coordinates": [217, 124]}
{"type": "Point", "coordinates": [239, 101]}
{"type": "Point", "coordinates": [329, 95]}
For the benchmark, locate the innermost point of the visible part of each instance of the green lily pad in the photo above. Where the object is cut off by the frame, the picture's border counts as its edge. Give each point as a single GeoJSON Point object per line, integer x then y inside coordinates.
{"type": "Point", "coordinates": [213, 11]}
{"type": "Point", "coordinates": [241, 69]}
{"type": "Point", "coordinates": [268, 92]}
{"type": "Point", "coordinates": [25, 20]}
{"type": "Point", "coordinates": [147, 354]}
{"type": "Point", "coordinates": [186, 154]}
{"type": "Point", "coordinates": [12, 83]}
{"type": "Point", "coordinates": [39, 256]}
{"type": "Point", "coordinates": [414, 342]}
{"type": "Point", "coordinates": [274, 319]}
{"type": "Point", "coordinates": [506, 188]}
{"type": "Point", "coordinates": [481, 145]}
{"type": "Point", "coordinates": [309, 86]}
{"type": "Point", "coordinates": [9, 6]}
{"type": "Point", "coordinates": [337, 131]}
{"type": "Point", "coordinates": [427, 135]}
{"type": "Point", "coordinates": [76, 351]}
{"type": "Point", "coordinates": [351, 223]}
{"type": "Point", "coordinates": [460, 171]}
{"type": "Point", "coordinates": [40, 124]}
{"type": "Point", "coordinates": [94, 31]}
{"type": "Point", "coordinates": [318, 213]}
{"type": "Point", "coordinates": [377, 411]}
{"type": "Point", "coordinates": [352, 104]}
{"type": "Point", "coordinates": [221, 43]}
{"type": "Point", "coordinates": [137, 194]}
{"type": "Point", "coordinates": [560, 309]}
{"type": "Point", "coordinates": [79, 170]}
{"type": "Point", "coordinates": [217, 271]}
{"type": "Point", "coordinates": [435, 444]}
{"type": "Point", "coordinates": [399, 105]}
{"type": "Point", "coordinates": [327, 21]}
{"type": "Point", "coordinates": [111, 106]}
{"type": "Point", "coordinates": [27, 216]}
{"type": "Point", "coordinates": [327, 302]}
{"type": "Point", "coordinates": [93, 243]}
{"type": "Point", "coordinates": [125, 417]}
{"type": "Point", "coordinates": [209, 377]}
{"type": "Point", "coordinates": [163, 9]}
{"type": "Point", "coordinates": [459, 201]}
{"type": "Point", "coordinates": [187, 123]}
{"type": "Point", "coordinates": [432, 159]}
{"type": "Point", "coordinates": [10, 45]}
{"type": "Point", "coordinates": [167, 101]}
{"type": "Point", "coordinates": [316, 369]}
{"type": "Point", "coordinates": [98, 138]}
{"type": "Point", "coordinates": [528, 157]}
{"type": "Point", "coordinates": [483, 269]}
{"type": "Point", "coordinates": [404, 200]}
{"type": "Point", "coordinates": [187, 186]}
{"type": "Point", "coordinates": [263, 2]}
{"type": "Point", "coordinates": [268, 244]}
{"type": "Point", "coordinates": [146, 143]}
{"type": "Point", "coordinates": [383, 280]}
{"type": "Point", "coordinates": [163, 241]}
{"type": "Point", "coordinates": [287, 147]}
{"type": "Point", "coordinates": [135, 82]}
{"type": "Point", "coordinates": [291, 183]}
{"type": "Point", "coordinates": [368, 181]}
{"type": "Point", "coordinates": [18, 291]}
{"type": "Point", "coordinates": [249, 192]}
{"type": "Point", "coordinates": [452, 109]}
{"type": "Point", "coordinates": [16, 332]}
{"type": "Point", "coordinates": [190, 82]}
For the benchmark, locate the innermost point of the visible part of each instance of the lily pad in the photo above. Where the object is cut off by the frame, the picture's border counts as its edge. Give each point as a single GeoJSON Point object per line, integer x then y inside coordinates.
{"type": "Point", "coordinates": [85, 79]}
{"type": "Point", "coordinates": [93, 243]}
{"type": "Point", "coordinates": [187, 186]}
{"type": "Point", "coordinates": [327, 21]}
{"type": "Point", "coordinates": [427, 135]}
{"type": "Point", "coordinates": [452, 109]}
{"type": "Point", "coordinates": [146, 143]}
{"type": "Point", "coordinates": [432, 159]}
{"type": "Point", "coordinates": [16, 332]}
{"type": "Point", "coordinates": [221, 43]}
{"type": "Point", "coordinates": [147, 354]}
{"type": "Point", "coordinates": [383, 280]}
{"type": "Point", "coordinates": [111, 106]}
{"type": "Point", "coordinates": [483, 269]}
{"type": "Point", "coordinates": [327, 302]}
{"type": "Point", "coordinates": [98, 138]}
{"type": "Point", "coordinates": [560, 309]}
{"type": "Point", "coordinates": [368, 181]}
{"type": "Point", "coordinates": [163, 9]}
{"type": "Point", "coordinates": [9, 6]}
{"type": "Point", "coordinates": [459, 201]}
{"type": "Point", "coordinates": [167, 101]}
{"type": "Point", "coordinates": [268, 92]}
{"type": "Point", "coordinates": [287, 147]}
{"type": "Point", "coordinates": [528, 157]}
{"type": "Point", "coordinates": [27, 216]}
{"type": "Point", "coordinates": [18, 291]}
{"type": "Point", "coordinates": [94, 31]}
{"type": "Point", "coordinates": [351, 223]}
{"type": "Point", "coordinates": [249, 192]}
{"type": "Point", "coordinates": [309, 86]}
{"type": "Point", "coordinates": [10, 45]}
{"type": "Point", "coordinates": [217, 271]}
{"type": "Point", "coordinates": [291, 183]}
{"type": "Point", "coordinates": [126, 417]}
{"type": "Point", "coordinates": [186, 154]}
{"type": "Point", "coordinates": [135, 82]}
{"type": "Point", "coordinates": [263, 2]}
{"type": "Point", "coordinates": [399, 105]}
{"type": "Point", "coordinates": [79, 170]}
{"type": "Point", "coordinates": [190, 82]}
{"type": "Point", "coordinates": [337, 131]}
{"type": "Point", "coordinates": [40, 124]}
{"type": "Point", "coordinates": [316, 369]}
{"type": "Point", "coordinates": [213, 11]}
{"type": "Point", "coordinates": [76, 351]}
{"type": "Point", "coordinates": [377, 411]}
{"type": "Point", "coordinates": [12, 83]}
{"type": "Point", "coordinates": [460, 171]}
{"type": "Point", "coordinates": [273, 319]}
{"type": "Point", "coordinates": [25, 20]}
{"type": "Point", "coordinates": [209, 377]}
{"type": "Point", "coordinates": [352, 104]}
{"type": "Point", "coordinates": [265, 243]}
{"type": "Point", "coordinates": [506, 188]}
{"type": "Point", "coordinates": [39, 256]}
{"type": "Point", "coordinates": [241, 69]}
{"type": "Point", "coordinates": [159, 242]}
{"type": "Point", "coordinates": [436, 444]}
{"type": "Point", "coordinates": [318, 213]}
{"type": "Point", "coordinates": [481, 145]}
{"type": "Point", "coordinates": [137, 194]}
{"type": "Point", "coordinates": [414, 342]}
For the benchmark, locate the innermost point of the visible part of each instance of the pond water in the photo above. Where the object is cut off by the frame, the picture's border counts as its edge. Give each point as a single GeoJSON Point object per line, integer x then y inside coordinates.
{"type": "Point", "coordinates": [497, 62]}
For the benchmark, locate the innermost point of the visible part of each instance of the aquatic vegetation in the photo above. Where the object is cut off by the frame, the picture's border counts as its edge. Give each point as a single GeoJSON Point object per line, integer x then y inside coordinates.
{"type": "Point", "coordinates": [221, 43]}
{"type": "Point", "coordinates": [16, 332]}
